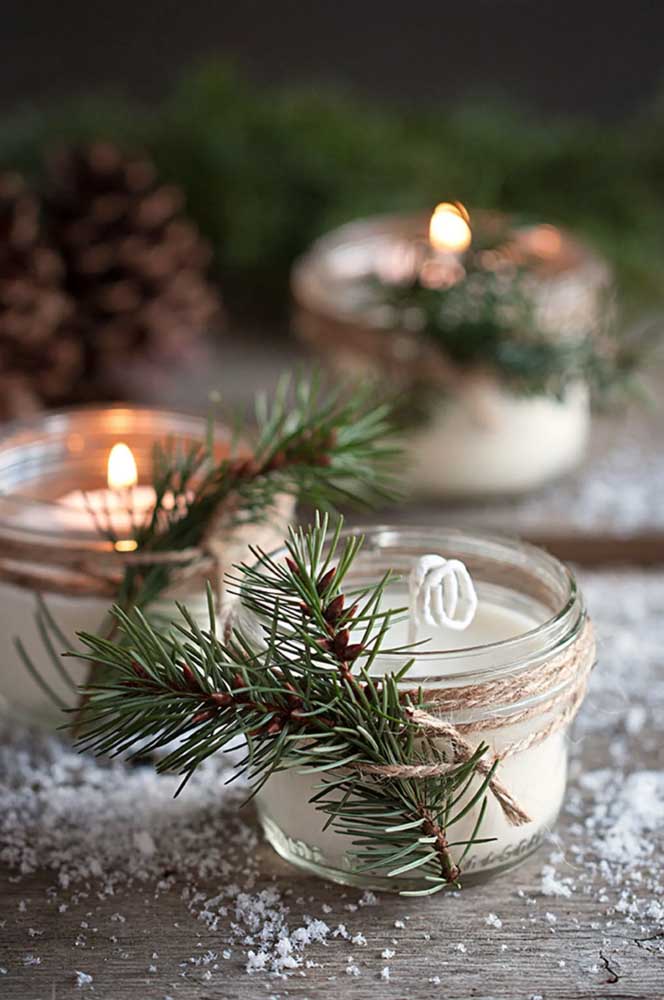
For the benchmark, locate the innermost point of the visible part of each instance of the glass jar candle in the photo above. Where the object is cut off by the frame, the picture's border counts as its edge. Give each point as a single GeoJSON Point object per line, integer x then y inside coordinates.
{"type": "Point", "coordinates": [513, 680]}
{"type": "Point", "coordinates": [54, 541]}
{"type": "Point", "coordinates": [476, 436]}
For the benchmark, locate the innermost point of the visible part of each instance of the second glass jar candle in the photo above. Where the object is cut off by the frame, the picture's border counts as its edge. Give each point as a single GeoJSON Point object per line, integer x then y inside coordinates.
{"type": "Point", "coordinates": [513, 680]}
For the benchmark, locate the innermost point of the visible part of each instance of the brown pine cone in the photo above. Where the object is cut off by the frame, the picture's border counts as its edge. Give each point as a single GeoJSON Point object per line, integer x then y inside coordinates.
{"type": "Point", "coordinates": [135, 265]}
{"type": "Point", "coordinates": [40, 358]}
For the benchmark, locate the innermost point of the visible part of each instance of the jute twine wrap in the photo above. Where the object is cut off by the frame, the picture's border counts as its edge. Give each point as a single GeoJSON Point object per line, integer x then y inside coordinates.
{"type": "Point", "coordinates": [358, 348]}
{"type": "Point", "coordinates": [78, 571]}
{"type": "Point", "coordinates": [555, 688]}
{"type": "Point", "coordinates": [557, 685]}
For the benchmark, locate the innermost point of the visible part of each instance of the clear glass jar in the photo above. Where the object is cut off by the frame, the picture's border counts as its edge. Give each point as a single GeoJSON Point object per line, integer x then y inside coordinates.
{"type": "Point", "coordinates": [477, 437]}
{"type": "Point", "coordinates": [530, 612]}
{"type": "Point", "coordinates": [48, 548]}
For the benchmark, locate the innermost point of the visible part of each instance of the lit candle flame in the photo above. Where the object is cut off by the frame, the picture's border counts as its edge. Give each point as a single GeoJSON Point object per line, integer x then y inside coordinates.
{"type": "Point", "coordinates": [449, 229]}
{"type": "Point", "coordinates": [122, 471]}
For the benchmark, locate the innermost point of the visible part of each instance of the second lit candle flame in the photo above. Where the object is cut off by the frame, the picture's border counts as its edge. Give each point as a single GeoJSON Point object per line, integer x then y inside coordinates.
{"type": "Point", "coordinates": [449, 228]}
{"type": "Point", "coordinates": [122, 472]}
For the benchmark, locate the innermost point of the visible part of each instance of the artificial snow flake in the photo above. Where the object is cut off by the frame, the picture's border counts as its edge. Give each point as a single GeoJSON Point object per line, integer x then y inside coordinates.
{"type": "Point", "coordinates": [552, 885]}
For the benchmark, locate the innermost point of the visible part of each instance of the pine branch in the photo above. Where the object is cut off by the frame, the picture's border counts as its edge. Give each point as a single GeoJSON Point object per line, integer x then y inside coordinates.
{"type": "Point", "coordinates": [320, 448]}
{"type": "Point", "coordinates": [489, 320]}
{"type": "Point", "coordinates": [302, 696]}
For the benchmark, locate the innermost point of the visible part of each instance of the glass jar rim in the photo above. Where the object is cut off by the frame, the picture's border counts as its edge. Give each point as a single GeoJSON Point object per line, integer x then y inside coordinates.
{"type": "Point", "coordinates": [550, 636]}
{"type": "Point", "coordinates": [311, 271]}
{"type": "Point", "coordinates": [114, 421]}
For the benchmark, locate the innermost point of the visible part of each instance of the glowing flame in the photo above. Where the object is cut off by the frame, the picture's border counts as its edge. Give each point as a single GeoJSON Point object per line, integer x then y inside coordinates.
{"type": "Point", "coordinates": [126, 545]}
{"type": "Point", "coordinates": [544, 241]}
{"type": "Point", "coordinates": [449, 229]}
{"type": "Point", "coordinates": [122, 472]}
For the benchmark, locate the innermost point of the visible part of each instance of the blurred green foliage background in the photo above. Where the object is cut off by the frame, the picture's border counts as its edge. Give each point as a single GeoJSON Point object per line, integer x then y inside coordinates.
{"type": "Point", "coordinates": [265, 171]}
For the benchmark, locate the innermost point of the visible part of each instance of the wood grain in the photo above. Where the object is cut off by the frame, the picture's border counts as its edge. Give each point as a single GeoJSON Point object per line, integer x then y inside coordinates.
{"type": "Point", "coordinates": [521, 960]}
{"type": "Point", "coordinates": [584, 955]}
{"type": "Point", "coordinates": [603, 551]}
{"type": "Point", "coordinates": [586, 952]}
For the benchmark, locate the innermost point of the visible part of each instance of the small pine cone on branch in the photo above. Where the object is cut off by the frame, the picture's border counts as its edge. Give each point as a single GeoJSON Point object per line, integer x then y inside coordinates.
{"type": "Point", "coordinates": [135, 264]}
{"type": "Point", "coordinates": [40, 358]}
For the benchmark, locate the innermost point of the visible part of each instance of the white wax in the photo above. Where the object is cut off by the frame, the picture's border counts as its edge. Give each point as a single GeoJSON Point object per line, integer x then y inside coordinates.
{"type": "Point", "coordinates": [20, 695]}
{"type": "Point", "coordinates": [284, 800]}
{"type": "Point", "coordinates": [487, 441]}
{"type": "Point", "coordinates": [492, 623]}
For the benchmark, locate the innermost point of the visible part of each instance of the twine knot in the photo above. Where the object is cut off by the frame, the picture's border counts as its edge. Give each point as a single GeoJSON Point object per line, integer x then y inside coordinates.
{"type": "Point", "coordinates": [459, 752]}
{"type": "Point", "coordinates": [567, 674]}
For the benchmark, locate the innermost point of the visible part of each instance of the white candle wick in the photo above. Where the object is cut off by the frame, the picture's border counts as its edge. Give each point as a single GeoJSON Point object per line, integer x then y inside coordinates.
{"type": "Point", "coordinates": [441, 593]}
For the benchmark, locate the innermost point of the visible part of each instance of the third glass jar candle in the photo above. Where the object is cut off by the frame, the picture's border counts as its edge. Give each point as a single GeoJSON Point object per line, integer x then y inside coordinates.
{"type": "Point", "coordinates": [66, 478]}
{"type": "Point", "coordinates": [513, 680]}
{"type": "Point", "coordinates": [470, 429]}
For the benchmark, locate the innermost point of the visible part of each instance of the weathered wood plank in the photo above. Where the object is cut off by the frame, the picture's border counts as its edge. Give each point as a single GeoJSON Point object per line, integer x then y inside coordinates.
{"type": "Point", "coordinates": [603, 551]}
{"type": "Point", "coordinates": [596, 550]}
{"type": "Point", "coordinates": [520, 960]}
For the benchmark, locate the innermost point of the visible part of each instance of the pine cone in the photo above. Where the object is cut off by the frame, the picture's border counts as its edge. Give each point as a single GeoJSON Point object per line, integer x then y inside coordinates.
{"type": "Point", "coordinates": [40, 358]}
{"type": "Point", "coordinates": [135, 265]}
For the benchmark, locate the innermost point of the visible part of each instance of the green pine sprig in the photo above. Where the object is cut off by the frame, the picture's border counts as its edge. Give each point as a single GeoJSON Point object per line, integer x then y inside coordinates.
{"type": "Point", "coordinates": [488, 321]}
{"type": "Point", "coordinates": [322, 448]}
{"type": "Point", "coordinates": [300, 696]}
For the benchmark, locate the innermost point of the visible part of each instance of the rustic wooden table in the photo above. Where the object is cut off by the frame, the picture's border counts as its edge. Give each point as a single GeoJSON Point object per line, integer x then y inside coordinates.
{"type": "Point", "coordinates": [584, 918]}
{"type": "Point", "coordinates": [590, 925]}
